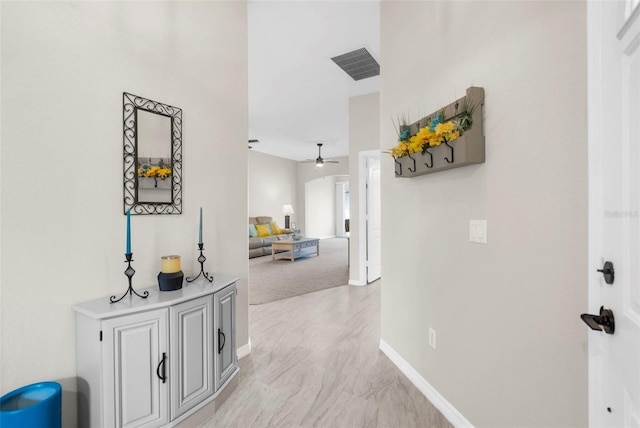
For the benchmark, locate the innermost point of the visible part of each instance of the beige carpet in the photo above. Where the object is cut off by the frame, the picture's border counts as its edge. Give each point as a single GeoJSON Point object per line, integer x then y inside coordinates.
{"type": "Point", "coordinates": [271, 280]}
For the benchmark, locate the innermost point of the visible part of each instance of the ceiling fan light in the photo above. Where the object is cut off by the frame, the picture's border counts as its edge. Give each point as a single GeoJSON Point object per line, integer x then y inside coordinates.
{"type": "Point", "coordinates": [319, 163]}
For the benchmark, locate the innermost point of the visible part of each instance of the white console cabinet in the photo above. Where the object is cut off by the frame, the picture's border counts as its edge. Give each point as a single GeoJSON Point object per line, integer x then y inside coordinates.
{"type": "Point", "coordinates": [152, 362]}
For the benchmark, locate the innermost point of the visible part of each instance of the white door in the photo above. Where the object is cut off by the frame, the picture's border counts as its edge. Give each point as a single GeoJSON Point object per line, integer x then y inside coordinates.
{"type": "Point", "coordinates": [614, 194]}
{"type": "Point", "coordinates": [374, 224]}
{"type": "Point", "coordinates": [136, 389]}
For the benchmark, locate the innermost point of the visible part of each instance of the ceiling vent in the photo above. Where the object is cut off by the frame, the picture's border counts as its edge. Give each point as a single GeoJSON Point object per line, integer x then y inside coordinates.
{"type": "Point", "coordinates": [358, 64]}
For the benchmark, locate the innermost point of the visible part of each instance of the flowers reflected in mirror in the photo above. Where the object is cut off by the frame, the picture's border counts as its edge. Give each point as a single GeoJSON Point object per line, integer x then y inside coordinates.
{"type": "Point", "coordinates": [152, 171]}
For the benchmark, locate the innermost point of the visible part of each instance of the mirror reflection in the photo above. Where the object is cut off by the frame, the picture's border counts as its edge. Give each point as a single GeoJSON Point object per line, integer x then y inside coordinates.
{"type": "Point", "coordinates": [152, 156]}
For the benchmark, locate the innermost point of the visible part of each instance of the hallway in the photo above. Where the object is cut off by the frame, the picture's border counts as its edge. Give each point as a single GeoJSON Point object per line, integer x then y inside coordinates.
{"type": "Point", "coordinates": [315, 362]}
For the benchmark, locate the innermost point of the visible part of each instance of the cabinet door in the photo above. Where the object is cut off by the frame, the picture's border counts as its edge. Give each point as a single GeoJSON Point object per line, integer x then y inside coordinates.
{"type": "Point", "coordinates": [135, 375]}
{"type": "Point", "coordinates": [225, 334]}
{"type": "Point", "coordinates": [192, 351]}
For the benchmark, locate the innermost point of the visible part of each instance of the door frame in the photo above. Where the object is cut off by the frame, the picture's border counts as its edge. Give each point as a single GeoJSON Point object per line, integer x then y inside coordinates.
{"type": "Point", "coordinates": [594, 190]}
{"type": "Point", "coordinates": [362, 209]}
{"type": "Point", "coordinates": [373, 235]}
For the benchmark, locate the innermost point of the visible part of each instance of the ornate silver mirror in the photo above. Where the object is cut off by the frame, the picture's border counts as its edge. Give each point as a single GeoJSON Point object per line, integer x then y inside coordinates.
{"type": "Point", "coordinates": [152, 156]}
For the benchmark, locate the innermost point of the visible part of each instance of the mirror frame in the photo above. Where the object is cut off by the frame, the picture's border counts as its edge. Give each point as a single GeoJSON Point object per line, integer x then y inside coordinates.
{"type": "Point", "coordinates": [130, 106]}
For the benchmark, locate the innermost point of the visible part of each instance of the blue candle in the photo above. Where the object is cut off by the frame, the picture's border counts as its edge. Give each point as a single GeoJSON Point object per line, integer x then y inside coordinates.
{"type": "Point", "coordinates": [129, 232]}
{"type": "Point", "coordinates": [200, 242]}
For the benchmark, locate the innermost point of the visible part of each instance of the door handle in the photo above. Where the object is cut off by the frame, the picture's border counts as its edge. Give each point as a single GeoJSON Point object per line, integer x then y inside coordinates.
{"type": "Point", "coordinates": [608, 272]}
{"type": "Point", "coordinates": [603, 322]}
{"type": "Point", "coordinates": [162, 364]}
{"type": "Point", "coordinates": [224, 339]}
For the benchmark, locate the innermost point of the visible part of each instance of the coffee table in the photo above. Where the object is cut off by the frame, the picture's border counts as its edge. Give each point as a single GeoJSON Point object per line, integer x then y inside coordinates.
{"type": "Point", "coordinates": [289, 249]}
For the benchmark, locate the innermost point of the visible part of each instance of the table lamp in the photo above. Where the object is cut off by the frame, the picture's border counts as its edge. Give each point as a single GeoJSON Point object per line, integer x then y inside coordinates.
{"type": "Point", "coordinates": [287, 210]}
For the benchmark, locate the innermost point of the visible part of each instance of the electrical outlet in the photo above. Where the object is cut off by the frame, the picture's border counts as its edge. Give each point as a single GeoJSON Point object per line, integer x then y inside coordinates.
{"type": "Point", "coordinates": [432, 338]}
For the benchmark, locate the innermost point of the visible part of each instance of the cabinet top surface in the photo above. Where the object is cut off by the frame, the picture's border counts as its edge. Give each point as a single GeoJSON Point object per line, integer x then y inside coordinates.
{"type": "Point", "coordinates": [102, 308]}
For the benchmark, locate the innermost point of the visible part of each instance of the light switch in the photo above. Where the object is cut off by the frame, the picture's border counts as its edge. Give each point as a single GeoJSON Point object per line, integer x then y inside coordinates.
{"type": "Point", "coordinates": [478, 231]}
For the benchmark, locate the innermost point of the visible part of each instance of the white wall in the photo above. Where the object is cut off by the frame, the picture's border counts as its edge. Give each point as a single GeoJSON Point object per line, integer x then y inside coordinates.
{"type": "Point", "coordinates": [320, 197]}
{"type": "Point", "coordinates": [364, 135]}
{"type": "Point", "coordinates": [511, 349]}
{"type": "Point", "coordinates": [308, 172]}
{"type": "Point", "coordinates": [64, 68]}
{"type": "Point", "coordinates": [272, 184]}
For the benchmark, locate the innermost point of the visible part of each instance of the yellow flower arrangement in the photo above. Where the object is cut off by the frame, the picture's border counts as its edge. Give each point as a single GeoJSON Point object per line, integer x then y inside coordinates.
{"type": "Point", "coordinates": [433, 134]}
{"type": "Point", "coordinates": [155, 171]}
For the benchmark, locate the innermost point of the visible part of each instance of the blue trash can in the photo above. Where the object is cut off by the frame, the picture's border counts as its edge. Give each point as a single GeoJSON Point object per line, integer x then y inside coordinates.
{"type": "Point", "coordinates": [38, 405]}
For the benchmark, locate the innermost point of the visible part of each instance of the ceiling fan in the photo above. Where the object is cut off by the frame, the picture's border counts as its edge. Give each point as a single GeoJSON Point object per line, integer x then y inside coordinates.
{"type": "Point", "coordinates": [319, 160]}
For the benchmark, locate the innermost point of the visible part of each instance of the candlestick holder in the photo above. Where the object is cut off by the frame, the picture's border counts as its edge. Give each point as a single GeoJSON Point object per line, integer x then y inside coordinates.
{"type": "Point", "coordinates": [201, 260]}
{"type": "Point", "coordinates": [129, 272]}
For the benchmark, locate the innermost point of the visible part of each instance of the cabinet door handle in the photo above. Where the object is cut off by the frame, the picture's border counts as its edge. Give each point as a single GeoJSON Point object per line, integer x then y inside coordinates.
{"type": "Point", "coordinates": [224, 339]}
{"type": "Point", "coordinates": [163, 364]}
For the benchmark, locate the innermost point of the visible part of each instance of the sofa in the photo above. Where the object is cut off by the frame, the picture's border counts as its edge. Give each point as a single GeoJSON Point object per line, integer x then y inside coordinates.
{"type": "Point", "coordinates": [261, 245]}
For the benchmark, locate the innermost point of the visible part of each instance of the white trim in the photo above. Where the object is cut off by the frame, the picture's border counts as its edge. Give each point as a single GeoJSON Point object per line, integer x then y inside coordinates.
{"type": "Point", "coordinates": [451, 413]}
{"type": "Point", "coordinates": [244, 350]}
{"type": "Point", "coordinates": [358, 283]}
{"type": "Point", "coordinates": [362, 221]}
{"type": "Point", "coordinates": [373, 164]}
{"type": "Point", "coordinates": [362, 212]}
{"type": "Point", "coordinates": [595, 104]}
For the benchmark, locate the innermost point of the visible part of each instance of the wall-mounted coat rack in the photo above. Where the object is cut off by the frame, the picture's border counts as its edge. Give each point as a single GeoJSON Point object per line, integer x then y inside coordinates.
{"type": "Point", "coordinates": [465, 150]}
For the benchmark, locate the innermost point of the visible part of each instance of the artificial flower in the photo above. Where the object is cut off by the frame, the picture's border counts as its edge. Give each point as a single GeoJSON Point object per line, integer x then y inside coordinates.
{"type": "Point", "coordinates": [443, 128]}
{"type": "Point", "coordinates": [435, 141]}
{"type": "Point", "coordinates": [433, 134]}
{"type": "Point", "coordinates": [415, 145]}
{"type": "Point", "coordinates": [435, 122]}
{"type": "Point", "coordinates": [154, 171]}
{"type": "Point", "coordinates": [453, 136]}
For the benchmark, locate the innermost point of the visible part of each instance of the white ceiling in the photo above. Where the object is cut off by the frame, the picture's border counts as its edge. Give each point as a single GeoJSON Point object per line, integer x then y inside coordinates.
{"type": "Point", "coordinates": [298, 96]}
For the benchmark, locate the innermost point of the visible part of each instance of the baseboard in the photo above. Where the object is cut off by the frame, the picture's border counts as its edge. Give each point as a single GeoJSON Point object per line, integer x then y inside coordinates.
{"type": "Point", "coordinates": [244, 350]}
{"type": "Point", "coordinates": [451, 413]}
{"type": "Point", "coordinates": [357, 282]}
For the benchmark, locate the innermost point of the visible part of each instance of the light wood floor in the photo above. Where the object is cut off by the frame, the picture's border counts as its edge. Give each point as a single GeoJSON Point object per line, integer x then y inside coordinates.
{"type": "Point", "coordinates": [315, 362]}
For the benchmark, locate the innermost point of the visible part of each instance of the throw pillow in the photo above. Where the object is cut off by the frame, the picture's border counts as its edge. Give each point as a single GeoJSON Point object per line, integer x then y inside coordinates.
{"type": "Point", "coordinates": [252, 231]}
{"type": "Point", "coordinates": [274, 227]}
{"type": "Point", "coordinates": [263, 230]}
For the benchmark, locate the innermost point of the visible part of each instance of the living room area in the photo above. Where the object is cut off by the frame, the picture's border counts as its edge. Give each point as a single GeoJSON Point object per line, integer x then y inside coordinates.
{"type": "Point", "coordinates": [317, 200]}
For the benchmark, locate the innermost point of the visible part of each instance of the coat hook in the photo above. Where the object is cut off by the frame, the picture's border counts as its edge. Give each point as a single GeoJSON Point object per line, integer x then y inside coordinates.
{"type": "Point", "coordinates": [395, 159]}
{"type": "Point", "coordinates": [414, 164]}
{"type": "Point", "coordinates": [446, 158]}
{"type": "Point", "coordinates": [426, 150]}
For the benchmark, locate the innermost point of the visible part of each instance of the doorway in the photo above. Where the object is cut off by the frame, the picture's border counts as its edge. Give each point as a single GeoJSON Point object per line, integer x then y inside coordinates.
{"type": "Point", "coordinates": [342, 208]}
{"type": "Point", "coordinates": [324, 206]}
